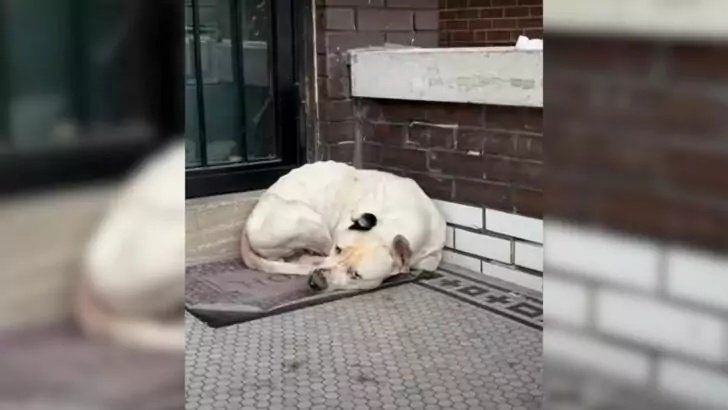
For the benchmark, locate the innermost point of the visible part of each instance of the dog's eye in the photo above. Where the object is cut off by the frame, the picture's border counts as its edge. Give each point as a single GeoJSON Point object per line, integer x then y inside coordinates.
{"type": "Point", "coordinates": [337, 250]}
{"type": "Point", "coordinates": [353, 274]}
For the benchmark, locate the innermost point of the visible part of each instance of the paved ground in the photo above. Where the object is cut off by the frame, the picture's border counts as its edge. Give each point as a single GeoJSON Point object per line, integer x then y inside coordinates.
{"type": "Point", "coordinates": [455, 342]}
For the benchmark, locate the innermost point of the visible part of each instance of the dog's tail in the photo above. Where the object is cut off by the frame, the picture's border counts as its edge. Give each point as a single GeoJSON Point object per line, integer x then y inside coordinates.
{"type": "Point", "coordinates": [255, 261]}
{"type": "Point", "coordinates": [100, 323]}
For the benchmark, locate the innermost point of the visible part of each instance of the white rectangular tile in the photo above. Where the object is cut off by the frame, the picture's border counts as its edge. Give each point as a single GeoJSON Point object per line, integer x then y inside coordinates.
{"type": "Point", "coordinates": [608, 257]}
{"type": "Point", "coordinates": [459, 214]}
{"type": "Point", "coordinates": [529, 256]}
{"type": "Point", "coordinates": [589, 353]}
{"type": "Point", "coordinates": [565, 301]}
{"type": "Point", "coordinates": [514, 225]}
{"type": "Point", "coordinates": [661, 325]}
{"type": "Point", "coordinates": [513, 275]}
{"type": "Point", "coordinates": [449, 237]}
{"type": "Point", "coordinates": [483, 245]}
{"type": "Point", "coordinates": [462, 261]}
{"type": "Point", "coordinates": [701, 387]}
{"type": "Point", "coordinates": [698, 277]}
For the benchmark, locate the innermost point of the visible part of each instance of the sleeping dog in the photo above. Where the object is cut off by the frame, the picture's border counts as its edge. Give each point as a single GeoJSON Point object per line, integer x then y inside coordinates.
{"type": "Point", "coordinates": [132, 287]}
{"type": "Point", "coordinates": [347, 228]}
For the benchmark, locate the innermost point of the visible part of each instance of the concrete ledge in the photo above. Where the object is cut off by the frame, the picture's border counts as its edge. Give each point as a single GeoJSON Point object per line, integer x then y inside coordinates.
{"type": "Point", "coordinates": [480, 75]}
{"type": "Point", "coordinates": [699, 19]}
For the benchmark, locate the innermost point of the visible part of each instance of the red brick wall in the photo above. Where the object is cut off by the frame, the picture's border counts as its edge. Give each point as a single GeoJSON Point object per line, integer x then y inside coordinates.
{"type": "Point", "coordinates": [345, 24]}
{"type": "Point", "coordinates": [468, 23]}
{"type": "Point", "coordinates": [489, 156]}
{"type": "Point", "coordinates": [637, 136]}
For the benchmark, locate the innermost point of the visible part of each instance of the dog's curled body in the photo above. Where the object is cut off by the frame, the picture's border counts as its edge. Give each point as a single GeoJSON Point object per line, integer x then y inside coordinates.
{"type": "Point", "coordinates": [314, 208]}
{"type": "Point", "coordinates": [133, 268]}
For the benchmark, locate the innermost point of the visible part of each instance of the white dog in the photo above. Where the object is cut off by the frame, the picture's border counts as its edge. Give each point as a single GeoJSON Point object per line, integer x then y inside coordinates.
{"type": "Point", "coordinates": [133, 269]}
{"type": "Point", "coordinates": [364, 225]}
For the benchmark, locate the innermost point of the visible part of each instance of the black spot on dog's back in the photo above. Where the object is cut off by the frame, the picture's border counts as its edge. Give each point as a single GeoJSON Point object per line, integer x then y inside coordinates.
{"type": "Point", "coordinates": [364, 222]}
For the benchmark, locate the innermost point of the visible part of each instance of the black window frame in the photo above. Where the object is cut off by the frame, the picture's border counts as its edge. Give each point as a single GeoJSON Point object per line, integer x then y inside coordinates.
{"type": "Point", "coordinates": [152, 41]}
{"type": "Point", "coordinates": [291, 47]}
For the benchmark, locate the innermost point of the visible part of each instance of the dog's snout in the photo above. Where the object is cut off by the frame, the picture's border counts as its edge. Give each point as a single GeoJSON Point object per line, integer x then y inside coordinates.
{"type": "Point", "coordinates": [317, 281]}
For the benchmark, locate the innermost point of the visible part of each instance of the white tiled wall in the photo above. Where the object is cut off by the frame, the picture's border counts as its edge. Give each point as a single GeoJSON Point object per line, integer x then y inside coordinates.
{"type": "Point", "coordinates": [506, 246]}
{"type": "Point", "coordinates": [643, 312]}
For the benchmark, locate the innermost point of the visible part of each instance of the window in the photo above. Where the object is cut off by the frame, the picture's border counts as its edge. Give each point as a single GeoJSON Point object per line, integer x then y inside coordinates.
{"type": "Point", "coordinates": [240, 94]}
{"type": "Point", "coordinates": [87, 88]}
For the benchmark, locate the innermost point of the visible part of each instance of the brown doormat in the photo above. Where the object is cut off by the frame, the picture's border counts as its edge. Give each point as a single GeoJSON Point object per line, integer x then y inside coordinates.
{"type": "Point", "coordinates": [227, 292]}
{"type": "Point", "coordinates": [57, 368]}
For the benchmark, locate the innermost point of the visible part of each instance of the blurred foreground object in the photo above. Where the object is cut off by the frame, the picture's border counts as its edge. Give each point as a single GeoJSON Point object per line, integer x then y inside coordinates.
{"type": "Point", "coordinates": [133, 289]}
{"type": "Point", "coordinates": [87, 91]}
{"type": "Point", "coordinates": [637, 232]}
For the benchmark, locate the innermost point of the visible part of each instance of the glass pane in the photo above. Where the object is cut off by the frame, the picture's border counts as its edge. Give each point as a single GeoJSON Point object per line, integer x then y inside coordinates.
{"type": "Point", "coordinates": [235, 114]}
{"type": "Point", "coordinates": [38, 95]}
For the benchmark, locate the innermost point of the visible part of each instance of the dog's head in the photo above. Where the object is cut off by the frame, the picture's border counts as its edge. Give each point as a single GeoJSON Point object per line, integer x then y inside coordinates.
{"type": "Point", "coordinates": [361, 262]}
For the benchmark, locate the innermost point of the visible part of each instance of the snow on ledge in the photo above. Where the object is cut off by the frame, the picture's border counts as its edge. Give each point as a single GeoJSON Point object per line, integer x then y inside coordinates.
{"type": "Point", "coordinates": [480, 75]}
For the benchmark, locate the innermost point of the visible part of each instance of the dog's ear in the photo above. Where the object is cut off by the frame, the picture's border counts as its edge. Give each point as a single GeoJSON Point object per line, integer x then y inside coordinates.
{"type": "Point", "coordinates": [402, 252]}
{"type": "Point", "coordinates": [364, 222]}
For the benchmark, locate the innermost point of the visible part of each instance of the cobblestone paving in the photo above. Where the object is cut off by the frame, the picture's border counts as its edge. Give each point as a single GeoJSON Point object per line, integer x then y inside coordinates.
{"type": "Point", "coordinates": [408, 347]}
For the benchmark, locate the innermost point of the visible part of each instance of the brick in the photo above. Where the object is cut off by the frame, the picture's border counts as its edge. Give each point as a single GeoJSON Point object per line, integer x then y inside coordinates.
{"type": "Point", "coordinates": [414, 4]}
{"type": "Point", "coordinates": [640, 212]}
{"type": "Point", "coordinates": [321, 65]}
{"type": "Point", "coordinates": [435, 186]}
{"type": "Point", "coordinates": [528, 147]}
{"type": "Point", "coordinates": [479, 3]}
{"type": "Point", "coordinates": [384, 133]}
{"type": "Point", "coordinates": [704, 173]}
{"type": "Point", "coordinates": [604, 55]}
{"type": "Point", "coordinates": [503, 3]}
{"type": "Point", "coordinates": [698, 277]}
{"type": "Point", "coordinates": [455, 25]}
{"type": "Point", "coordinates": [484, 24]}
{"type": "Point", "coordinates": [530, 2]}
{"type": "Point", "coordinates": [500, 36]}
{"type": "Point", "coordinates": [531, 22]}
{"type": "Point", "coordinates": [568, 301]}
{"type": "Point", "coordinates": [517, 12]}
{"type": "Point", "coordinates": [483, 245]}
{"type": "Point", "coordinates": [336, 66]}
{"type": "Point", "coordinates": [527, 174]}
{"type": "Point", "coordinates": [496, 196]}
{"type": "Point", "coordinates": [343, 152]}
{"type": "Point", "coordinates": [471, 140]}
{"type": "Point", "coordinates": [503, 23]}
{"type": "Point", "coordinates": [403, 111]}
{"type": "Point", "coordinates": [404, 158]}
{"type": "Point", "coordinates": [426, 136]}
{"type": "Point", "coordinates": [339, 19]}
{"type": "Point", "coordinates": [461, 114]}
{"type": "Point", "coordinates": [492, 13]}
{"type": "Point", "coordinates": [589, 253]}
{"type": "Point", "coordinates": [513, 118]}
{"type": "Point", "coordinates": [357, 3]}
{"type": "Point", "coordinates": [427, 20]}
{"type": "Point", "coordinates": [341, 42]}
{"type": "Point", "coordinates": [660, 325]}
{"type": "Point", "coordinates": [701, 386]}
{"type": "Point", "coordinates": [371, 153]}
{"type": "Point", "coordinates": [533, 33]}
{"type": "Point", "coordinates": [335, 132]}
{"type": "Point", "coordinates": [426, 39]}
{"type": "Point", "coordinates": [492, 169]}
{"type": "Point", "coordinates": [528, 202]}
{"type": "Point", "coordinates": [536, 11]}
{"type": "Point", "coordinates": [338, 88]}
{"type": "Point", "coordinates": [461, 215]}
{"type": "Point", "coordinates": [338, 110]}
{"type": "Point", "coordinates": [384, 20]}
{"type": "Point", "coordinates": [617, 362]}
{"type": "Point", "coordinates": [700, 62]}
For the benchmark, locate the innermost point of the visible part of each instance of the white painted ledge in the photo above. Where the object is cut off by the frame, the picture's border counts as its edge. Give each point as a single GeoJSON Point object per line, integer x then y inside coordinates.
{"type": "Point", "coordinates": [479, 75]}
{"type": "Point", "coordinates": [704, 19]}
